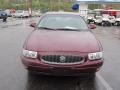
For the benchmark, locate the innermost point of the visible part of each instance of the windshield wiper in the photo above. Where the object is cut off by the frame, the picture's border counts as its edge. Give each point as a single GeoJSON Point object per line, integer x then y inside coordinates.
{"type": "Point", "coordinates": [62, 29]}
{"type": "Point", "coordinates": [67, 29]}
{"type": "Point", "coordinates": [46, 28]}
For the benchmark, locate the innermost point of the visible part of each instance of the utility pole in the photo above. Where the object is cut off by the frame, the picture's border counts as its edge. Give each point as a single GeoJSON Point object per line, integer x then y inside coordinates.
{"type": "Point", "coordinates": [30, 6]}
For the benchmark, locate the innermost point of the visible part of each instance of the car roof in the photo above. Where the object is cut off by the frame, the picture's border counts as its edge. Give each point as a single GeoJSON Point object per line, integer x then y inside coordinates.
{"type": "Point", "coordinates": [62, 13]}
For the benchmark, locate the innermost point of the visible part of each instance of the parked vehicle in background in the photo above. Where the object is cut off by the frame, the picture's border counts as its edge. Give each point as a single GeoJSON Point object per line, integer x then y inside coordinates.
{"type": "Point", "coordinates": [117, 21]}
{"type": "Point", "coordinates": [3, 15]}
{"type": "Point", "coordinates": [104, 17]}
{"type": "Point", "coordinates": [21, 14]}
{"type": "Point", "coordinates": [107, 20]}
{"type": "Point", "coordinates": [90, 19]}
{"type": "Point", "coordinates": [112, 19]}
{"type": "Point", "coordinates": [9, 14]}
{"type": "Point", "coordinates": [62, 44]}
{"type": "Point", "coordinates": [36, 13]}
{"type": "Point", "coordinates": [104, 20]}
{"type": "Point", "coordinates": [97, 20]}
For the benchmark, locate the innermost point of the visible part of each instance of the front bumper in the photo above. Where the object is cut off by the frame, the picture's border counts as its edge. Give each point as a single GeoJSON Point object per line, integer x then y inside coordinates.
{"type": "Point", "coordinates": [65, 70]}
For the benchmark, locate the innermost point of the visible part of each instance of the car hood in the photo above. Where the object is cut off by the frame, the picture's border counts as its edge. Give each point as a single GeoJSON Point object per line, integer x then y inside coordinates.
{"type": "Point", "coordinates": [81, 41]}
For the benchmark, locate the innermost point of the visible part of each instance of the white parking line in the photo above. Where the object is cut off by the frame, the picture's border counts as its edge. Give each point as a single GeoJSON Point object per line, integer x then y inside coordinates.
{"type": "Point", "coordinates": [102, 80]}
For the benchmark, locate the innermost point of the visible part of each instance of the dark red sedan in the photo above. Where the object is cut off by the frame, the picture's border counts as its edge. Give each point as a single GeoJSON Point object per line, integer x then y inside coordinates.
{"type": "Point", "coordinates": [62, 44]}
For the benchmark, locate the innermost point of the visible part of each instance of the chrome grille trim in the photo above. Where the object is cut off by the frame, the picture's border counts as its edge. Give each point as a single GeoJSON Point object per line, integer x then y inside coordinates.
{"type": "Point", "coordinates": [69, 59]}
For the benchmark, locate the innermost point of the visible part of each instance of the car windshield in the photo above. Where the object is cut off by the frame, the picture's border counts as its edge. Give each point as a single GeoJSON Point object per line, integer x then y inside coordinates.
{"type": "Point", "coordinates": [19, 11]}
{"type": "Point", "coordinates": [62, 22]}
{"type": "Point", "coordinates": [2, 12]}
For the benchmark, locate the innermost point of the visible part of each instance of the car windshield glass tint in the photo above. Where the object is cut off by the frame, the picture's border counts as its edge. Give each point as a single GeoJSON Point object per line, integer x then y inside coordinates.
{"type": "Point", "coordinates": [59, 22]}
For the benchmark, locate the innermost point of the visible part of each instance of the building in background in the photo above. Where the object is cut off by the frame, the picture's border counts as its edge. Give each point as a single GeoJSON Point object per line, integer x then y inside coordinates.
{"type": "Point", "coordinates": [83, 5]}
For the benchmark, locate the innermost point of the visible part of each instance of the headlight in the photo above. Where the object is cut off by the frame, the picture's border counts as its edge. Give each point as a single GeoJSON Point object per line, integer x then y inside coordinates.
{"type": "Point", "coordinates": [94, 56]}
{"type": "Point", "coordinates": [29, 54]}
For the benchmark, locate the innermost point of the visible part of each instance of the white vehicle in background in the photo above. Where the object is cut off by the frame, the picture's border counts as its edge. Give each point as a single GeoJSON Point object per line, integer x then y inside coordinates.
{"type": "Point", "coordinates": [9, 14]}
{"type": "Point", "coordinates": [21, 14]}
{"type": "Point", "coordinates": [90, 19]}
{"type": "Point", "coordinates": [112, 19]}
{"type": "Point", "coordinates": [104, 20]}
{"type": "Point", "coordinates": [98, 20]}
{"type": "Point", "coordinates": [36, 13]}
{"type": "Point", "coordinates": [117, 21]}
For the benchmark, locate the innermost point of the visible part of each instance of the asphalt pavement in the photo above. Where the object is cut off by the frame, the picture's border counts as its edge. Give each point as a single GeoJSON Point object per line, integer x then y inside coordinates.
{"type": "Point", "coordinates": [13, 76]}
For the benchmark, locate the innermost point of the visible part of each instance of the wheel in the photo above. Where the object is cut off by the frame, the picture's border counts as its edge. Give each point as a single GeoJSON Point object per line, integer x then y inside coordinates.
{"type": "Point", "coordinates": [5, 19]}
{"type": "Point", "coordinates": [94, 22]}
{"type": "Point", "coordinates": [102, 23]}
{"type": "Point", "coordinates": [88, 21]}
{"type": "Point", "coordinates": [112, 24]}
{"type": "Point", "coordinates": [109, 24]}
{"type": "Point", "coordinates": [26, 16]}
{"type": "Point", "coordinates": [116, 24]}
{"type": "Point", "coordinates": [21, 16]}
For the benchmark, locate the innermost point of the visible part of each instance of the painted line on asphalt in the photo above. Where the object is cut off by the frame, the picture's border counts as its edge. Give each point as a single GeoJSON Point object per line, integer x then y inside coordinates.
{"type": "Point", "coordinates": [102, 80]}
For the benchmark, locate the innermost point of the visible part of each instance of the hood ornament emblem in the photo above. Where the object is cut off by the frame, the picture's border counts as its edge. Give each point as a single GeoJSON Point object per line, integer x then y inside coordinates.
{"type": "Point", "coordinates": [62, 59]}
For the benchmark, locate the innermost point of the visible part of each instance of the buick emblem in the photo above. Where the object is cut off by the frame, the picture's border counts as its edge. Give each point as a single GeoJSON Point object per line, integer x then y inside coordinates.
{"type": "Point", "coordinates": [62, 59]}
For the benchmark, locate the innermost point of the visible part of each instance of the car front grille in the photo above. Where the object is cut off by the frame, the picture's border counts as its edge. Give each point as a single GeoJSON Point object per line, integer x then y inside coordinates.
{"type": "Point", "coordinates": [62, 59]}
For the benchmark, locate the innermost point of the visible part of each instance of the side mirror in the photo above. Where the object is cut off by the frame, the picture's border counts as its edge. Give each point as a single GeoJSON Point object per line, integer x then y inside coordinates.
{"type": "Point", "coordinates": [33, 25]}
{"type": "Point", "coordinates": [92, 26]}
